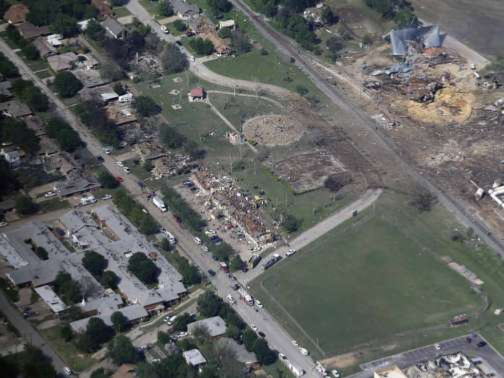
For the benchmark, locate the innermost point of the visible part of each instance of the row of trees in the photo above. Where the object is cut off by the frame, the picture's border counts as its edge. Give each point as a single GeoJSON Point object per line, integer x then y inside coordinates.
{"type": "Point", "coordinates": [401, 11]}
{"type": "Point", "coordinates": [96, 264]}
{"type": "Point", "coordinates": [62, 132]}
{"type": "Point", "coordinates": [93, 115]}
{"type": "Point", "coordinates": [7, 68]}
{"type": "Point", "coordinates": [31, 95]}
{"type": "Point", "coordinates": [190, 273]}
{"type": "Point", "coordinates": [135, 213]}
{"type": "Point", "coordinates": [31, 363]}
{"type": "Point", "coordinates": [16, 132]}
{"type": "Point", "coordinates": [172, 139]}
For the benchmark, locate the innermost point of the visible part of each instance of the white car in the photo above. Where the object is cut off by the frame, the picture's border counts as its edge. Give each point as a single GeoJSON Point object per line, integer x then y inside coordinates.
{"type": "Point", "coordinates": [50, 194]}
{"type": "Point", "coordinates": [335, 373]}
{"type": "Point", "coordinates": [254, 327]}
{"type": "Point", "coordinates": [304, 351]}
{"type": "Point", "coordinates": [67, 371]}
{"type": "Point", "coordinates": [106, 197]}
{"type": "Point", "coordinates": [290, 252]}
{"type": "Point", "coordinates": [126, 170]}
{"type": "Point", "coordinates": [3, 224]}
{"type": "Point", "coordinates": [282, 356]}
{"type": "Point", "coordinates": [437, 346]}
{"type": "Point", "coordinates": [230, 299]}
{"type": "Point", "coordinates": [258, 304]}
{"type": "Point", "coordinates": [204, 248]}
{"type": "Point", "coordinates": [197, 240]}
{"type": "Point", "coordinates": [295, 343]}
{"type": "Point", "coordinates": [164, 29]}
{"type": "Point", "coordinates": [120, 164]}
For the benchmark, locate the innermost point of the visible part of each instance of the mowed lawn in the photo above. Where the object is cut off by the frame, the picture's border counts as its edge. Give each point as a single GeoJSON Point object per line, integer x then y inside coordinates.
{"type": "Point", "coordinates": [364, 283]}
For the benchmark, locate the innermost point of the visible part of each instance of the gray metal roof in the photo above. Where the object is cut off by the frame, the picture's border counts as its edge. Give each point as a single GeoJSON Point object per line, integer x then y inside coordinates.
{"type": "Point", "coordinates": [194, 357]}
{"type": "Point", "coordinates": [75, 185]}
{"type": "Point", "coordinates": [184, 8]}
{"type": "Point", "coordinates": [112, 26]}
{"type": "Point", "coordinates": [132, 313]}
{"type": "Point", "coordinates": [241, 354]}
{"type": "Point", "coordinates": [215, 326]}
{"type": "Point", "coordinates": [430, 36]}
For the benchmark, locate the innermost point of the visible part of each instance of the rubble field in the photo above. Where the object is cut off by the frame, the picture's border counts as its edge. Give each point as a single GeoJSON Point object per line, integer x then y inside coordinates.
{"type": "Point", "coordinates": [273, 130]}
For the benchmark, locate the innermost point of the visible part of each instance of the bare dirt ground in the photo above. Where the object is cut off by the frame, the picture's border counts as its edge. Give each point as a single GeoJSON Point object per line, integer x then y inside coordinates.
{"type": "Point", "coordinates": [476, 23]}
{"type": "Point", "coordinates": [273, 130]}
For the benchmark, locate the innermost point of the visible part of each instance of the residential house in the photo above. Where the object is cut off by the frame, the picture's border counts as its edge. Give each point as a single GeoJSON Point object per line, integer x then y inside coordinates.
{"type": "Point", "coordinates": [134, 313]}
{"type": "Point", "coordinates": [12, 155]}
{"type": "Point", "coordinates": [427, 36]}
{"type": "Point", "coordinates": [221, 46]}
{"type": "Point", "coordinates": [62, 62]}
{"type": "Point", "coordinates": [241, 354]}
{"type": "Point", "coordinates": [235, 138]}
{"type": "Point", "coordinates": [120, 114]}
{"type": "Point", "coordinates": [51, 298]}
{"type": "Point", "coordinates": [48, 146]}
{"type": "Point", "coordinates": [215, 326]}
{"type": "Point", "coordinates": [55, 40]}
{"type": "Point", "coordinates": [114, 28]}
{"type": "Point", "coordinates": [29, 31]}
{"type": "Point", "coordinates": [36, 124]}
{"type": "Point", "coordinates": [75, 185]}
{"type": "Point", "coordinates": [149, 151]}
{"type": "Point", "coordinates": [185, 10]}
{"type": "Point", "coordinates": [90, 78]}
{"type": "Point", "coordinates": [15, 109]}
{"type": "Point", "coordinates": [194, 358]}
{"type": "Point", "coordinates": [44, 48]}
{"type": "Point", "coordinates": [16, 14]}
{"type": "Point", "coordinates": [5, 90]}
{"type": "Point", "coordinates": [197, 94]}
{"type": "Point", "coordinates": [163, 167]}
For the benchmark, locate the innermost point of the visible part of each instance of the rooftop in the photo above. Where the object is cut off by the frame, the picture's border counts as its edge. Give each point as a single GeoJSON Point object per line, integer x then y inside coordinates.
{"type": "Point", "coordinates": [194, 357]}
{"type": "Point", "coordinates": [30, 31]}
{"type": "Point", "coordinates": [241, 354]}
{"type": "Point", "coordinates": [215, 326]}
{"type": "Point", "coordinates": [113, 26]}
{"type": "Point", "coordinates": [62, 62]}
{"type": "Point", "coordinates": [16, 14]}
{"type": "Point", "coordinates": [429, 36]}
{"type": "Point", "coordinates": [132, 313]}
{"type": "Point", "coordinates": [15, 108]}
{"type": "Point", "coordinates": [51, 298]}
{"type": "Point", "coordinates": [75, 185]}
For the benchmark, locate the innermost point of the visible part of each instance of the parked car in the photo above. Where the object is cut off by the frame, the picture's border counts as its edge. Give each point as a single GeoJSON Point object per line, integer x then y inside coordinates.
{"type": "Point", "coordinates": [258, 304]}
{"type": "Point", "coordinates": [197, 240]}
{"type": "Point", "coordinates": [67, 371]}
{"type": "Point", "coordinates": [211, 272]}
{"type": "Point", "coordinates": [335, 373]}
{"type": "Point", "coordinates": [106, 197]}
{"type": "Point", "coordinates": [260, 333]}
{"type": "Point", "coordinates": [254, 327]}
{"type": "Point", "coordinates": [50, 194]}
{"type": "Point", "coordinates": [437, 346]}
{"type": "Point", "coordinates": [100, 159]}
{"type": "Point", "coordinates": [481, 344]}
{"type": "Point", "coordinates": [3, 224]}
{"type": "Point", "coordinates": [290, 252]}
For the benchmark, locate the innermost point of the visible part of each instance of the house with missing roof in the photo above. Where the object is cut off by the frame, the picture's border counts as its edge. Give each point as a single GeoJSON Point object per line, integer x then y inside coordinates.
{"type": "Point", "coordinates": [427, 36]}
{"type": "Point", "coordinates": [185, 10]}
{"type": "Point", "coordinates": [114, 28]}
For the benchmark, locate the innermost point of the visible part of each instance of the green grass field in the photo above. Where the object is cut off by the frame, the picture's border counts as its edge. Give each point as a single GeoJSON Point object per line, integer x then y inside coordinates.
{"type": "Point", "coordinates": [377, 280]}
{"type": "Point", "coordinates": [76, 360]}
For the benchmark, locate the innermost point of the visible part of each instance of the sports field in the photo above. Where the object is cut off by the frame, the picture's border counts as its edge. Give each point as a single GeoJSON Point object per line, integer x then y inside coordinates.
{"type": "Point", "coordinates": [369, 283]}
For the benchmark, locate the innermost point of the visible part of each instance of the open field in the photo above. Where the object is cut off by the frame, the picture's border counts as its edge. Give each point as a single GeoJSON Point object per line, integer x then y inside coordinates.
{"type": "Point", "coordinates": [379, 281]}
{"type": "Point", "coordinates": [475, 23]}
{"type": "Point", "coordinates": [76, 360]}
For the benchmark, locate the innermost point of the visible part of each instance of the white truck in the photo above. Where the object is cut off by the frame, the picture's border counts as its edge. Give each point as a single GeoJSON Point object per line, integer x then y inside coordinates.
{"type": "Point", "coordinates": [246, 297]}
{"type": "Point", "coordinates": [159, 203]}
{"type": "Point", "coordinates": [87, 200]}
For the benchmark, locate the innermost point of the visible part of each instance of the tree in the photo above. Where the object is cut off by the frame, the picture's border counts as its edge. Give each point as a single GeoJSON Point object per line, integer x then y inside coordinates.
{"type": "Point", "coordinates": [236, 263]}
{"type": "Point", "coordinates": [120, 89]}
{"type": "Point", "coordinates": [119, 321]}
{"type": "Point", "coordinates": [142, 267]}
{"type": "Point", "coordinates": [35, 364]}
{"type": "Point", "coordinates": [15, 131]}
{"type": "Point", "coordinates": [109, 280]}
{"type": "Point", "coordinates": [209, 304]}
{"type": "Point", "coordinates": [225, 33]}
{"type": "Point", "coordinates": [170, 137]}
{"type": "Point", "coordinates": [41, 253]}
{"type": "Point", "coordinates": [97, 330]}
{"type": "Point", "coordinates": [122, 351]}
{"type": "Point", "coordinates": [60, 130]}
{"type": "Point", "coordinates": [165, 9]}
{"type": "Point", "coordinates": [30, 52]}
{"type": "Point", "coordinates": [119, 3]}
{"type": "Point", "coordinates": [66, 84]}
{"type": "Point", "coordinates": [66, 333]}
{"type": "Point", "coordinates": [94, 263]}
{"type": "Point", "coordinates": [146, 106]}
{"type": "Point", "coordinates": [181, 322]}
{"type": "Point", "coordinates": [107, 180]}
{"type": "Point", "coordinates": [249, 339]}
{"type": "Point", "coordinates": [218, 6]}
{"type": "Point", "coordinates": [173, 60]}
{"type": "Point", "coordinates": [328, 17]}
{"type": "Point", "coordinates": [240, 42]}
{"type": "Point", "coordinates": [66, 26]}
{"type": "Point", "coordinates": [423, 200]}
{"type": "Point", "coordinates": [179, 25]}
{"type": "Point", "coordinates": [86, 343]}
{"type": "Point", "coordinates": [24, 205]}
{"type": "Point", "coordinates": [405, 18]}
{"type": "Point", "coordinates": [291, 224]}
{"type": "Point", "coordinates": [7, 68]}
{"type": "Point", "coordinates": [337, 182]}
{"type": "Point", "coordinates": [111, 72]}
{"type": "Point", "coordinates": [202, 46]}
{"type": "Point", "coordinates": [263, 353]}
{"type": "Point", "coordinates": [9, 182]}
{"type": "Point", "coordinates": [66, 288]}
{"type": "Point", "coordinates": [101, 373]}
{"type": "Point", "coordinates": [95, 31]}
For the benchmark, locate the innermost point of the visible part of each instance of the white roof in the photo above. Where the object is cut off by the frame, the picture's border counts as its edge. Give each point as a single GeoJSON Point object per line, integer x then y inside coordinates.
{"type": "Point", "coordinates": [51, 298]}
{"type": "Point", "coordinates": [215, 326]}
{"type": "Point", "coordinates": [194, 357]}
{"type": "Point", "coordinates": [226, 24]}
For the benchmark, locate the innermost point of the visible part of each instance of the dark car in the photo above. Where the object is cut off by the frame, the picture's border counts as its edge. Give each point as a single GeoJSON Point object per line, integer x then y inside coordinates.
{"type": "Point", "coordinates": [260, 333]}
{"type": "Point", "coordinates": [481, 344]}
{"type": "Point", "coordinates": [100, 159]}
{"type": "Point", "coordinates": [211, 272]}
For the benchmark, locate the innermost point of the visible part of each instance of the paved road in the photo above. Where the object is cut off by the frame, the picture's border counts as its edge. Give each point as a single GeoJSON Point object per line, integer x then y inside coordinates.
{"type": "Point", "coordinates": [363, 130]}
{"type": "Point", "coordinates": [276, 335]}
{"type": "Point", "coordinates": [320, 229]}
{"type": "Point", "coordinates": [28, 332]}
{"type": "Point", "coordinates": [458, 344]}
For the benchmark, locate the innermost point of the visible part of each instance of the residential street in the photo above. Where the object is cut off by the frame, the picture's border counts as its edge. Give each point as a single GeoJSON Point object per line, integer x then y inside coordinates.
{"type": "Point", "coordinates": [28, 332]}
{"type": "Point", "coordinates": [320, 229]}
